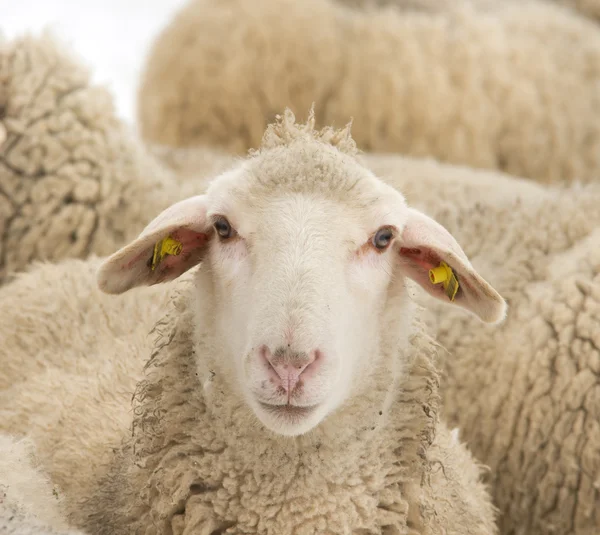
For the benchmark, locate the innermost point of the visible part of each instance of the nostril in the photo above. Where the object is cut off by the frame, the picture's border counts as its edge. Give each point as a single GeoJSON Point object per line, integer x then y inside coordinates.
{"type": "Point", "coordinates": [312, 362]}
{"type": "Point", "coordinates": [264, 352]}
{"type": "Point", "coordinates": [266, 358]}
{"type": "Point", "coordinates": [311, 358]}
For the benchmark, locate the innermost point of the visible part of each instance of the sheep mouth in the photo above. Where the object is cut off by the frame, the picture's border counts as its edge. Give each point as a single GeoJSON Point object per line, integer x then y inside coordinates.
{"type": "Point", "coordinates": [292, 412]}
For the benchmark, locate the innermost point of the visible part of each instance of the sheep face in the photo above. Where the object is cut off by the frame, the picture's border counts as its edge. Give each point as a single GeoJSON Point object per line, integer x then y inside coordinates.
{"type": "Point", "coordinates": [305, 255]}
{"type": "Point", "coordinates": [301, 286]}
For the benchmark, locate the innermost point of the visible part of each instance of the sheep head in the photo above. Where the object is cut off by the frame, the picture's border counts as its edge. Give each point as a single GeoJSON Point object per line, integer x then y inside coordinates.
{"type": "Point", "coordinates": [303, 256]}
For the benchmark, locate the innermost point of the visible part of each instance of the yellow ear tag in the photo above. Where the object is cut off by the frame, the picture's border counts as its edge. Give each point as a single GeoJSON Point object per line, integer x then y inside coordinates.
{"type": "Point", "coordinates": [162, 248]}
{"type": "Point", "coordinates": [443, 274]}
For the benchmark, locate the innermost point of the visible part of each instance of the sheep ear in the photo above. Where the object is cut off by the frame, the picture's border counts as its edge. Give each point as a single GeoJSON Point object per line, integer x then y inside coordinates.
{"type": "Point", "coordinates": [170, 245]}
{"type": "Point", "coordinates": [427, 250]}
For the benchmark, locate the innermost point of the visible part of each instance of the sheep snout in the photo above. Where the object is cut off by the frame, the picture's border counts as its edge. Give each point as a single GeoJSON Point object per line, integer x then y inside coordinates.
{"type": "Point", "coordinates": [288, 369]}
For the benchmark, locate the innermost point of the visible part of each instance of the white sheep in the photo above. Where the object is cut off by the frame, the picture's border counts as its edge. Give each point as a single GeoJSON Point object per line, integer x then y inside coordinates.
{"type": "Point", "coordinates": [292, 389]}
{"type": "Point", "coordinates": [540, 246]}
{"type": "Point", "coordinates": [509, 85]}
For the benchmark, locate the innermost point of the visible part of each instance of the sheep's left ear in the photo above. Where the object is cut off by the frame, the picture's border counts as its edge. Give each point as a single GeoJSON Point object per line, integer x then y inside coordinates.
{"type": "Point", "coordinates": [425, 245]}
{"type": "Point", "coordinates": [172, 243]}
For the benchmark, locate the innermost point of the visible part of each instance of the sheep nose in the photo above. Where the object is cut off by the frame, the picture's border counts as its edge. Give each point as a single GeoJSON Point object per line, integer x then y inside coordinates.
{"type": "Point", "coordinates": [286, 367]}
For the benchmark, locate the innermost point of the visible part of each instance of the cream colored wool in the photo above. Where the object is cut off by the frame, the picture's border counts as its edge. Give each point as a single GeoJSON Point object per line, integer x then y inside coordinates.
{"type": "Point", "coordinates": [213, 459]}
{"type": "Point", "coordinates": [526, 396]}
{"type": "Point", "coordinates": [588, 8]}
{"type": "Point", "coordinates": [500, 85]}
{"type": "Point", "coordinates": [71, 358]}
{"type": "Point", "coordinates": [207, 467]}
{"type": "Point", "coordinates": [71, 172]}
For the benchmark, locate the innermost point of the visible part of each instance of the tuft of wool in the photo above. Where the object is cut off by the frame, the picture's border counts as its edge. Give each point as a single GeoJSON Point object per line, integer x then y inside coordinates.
{"type": "Point", "coordinates": [467, 82]}
{"type": "Point", "coordinates": [61, 349]}
{"type": "Point", "coordinates": [285, 130]}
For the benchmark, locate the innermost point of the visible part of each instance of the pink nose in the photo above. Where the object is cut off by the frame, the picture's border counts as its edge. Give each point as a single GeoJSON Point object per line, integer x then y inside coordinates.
{"type": "Point", "coordinates": [286, 368]}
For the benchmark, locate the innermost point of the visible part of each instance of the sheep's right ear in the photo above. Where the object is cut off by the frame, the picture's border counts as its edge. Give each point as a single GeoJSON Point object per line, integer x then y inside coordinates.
{"type": "Point", "coordinates": [171, 244]}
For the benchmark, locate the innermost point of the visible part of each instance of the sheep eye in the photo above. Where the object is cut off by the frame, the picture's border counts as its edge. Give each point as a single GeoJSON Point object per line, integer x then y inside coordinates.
{"type": "Point", "coordinates": [223, 228]}
{"type": "Point", "coordinates": [383, 237]}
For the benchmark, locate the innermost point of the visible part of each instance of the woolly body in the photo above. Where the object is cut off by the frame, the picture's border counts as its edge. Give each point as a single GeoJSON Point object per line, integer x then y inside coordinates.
{"type": "Point", "coordinates": [471, 83]}
{"type": "Point", "coordinates": [71, 172]}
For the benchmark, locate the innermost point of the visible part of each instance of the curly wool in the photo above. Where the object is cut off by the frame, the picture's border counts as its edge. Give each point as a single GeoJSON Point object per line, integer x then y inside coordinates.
{"type": "Point", "coordinates": [526, 396]}
{"type": "Point", "coordinates": [473, 83]}
{"type": "Point", "coordinates": [71, 172]}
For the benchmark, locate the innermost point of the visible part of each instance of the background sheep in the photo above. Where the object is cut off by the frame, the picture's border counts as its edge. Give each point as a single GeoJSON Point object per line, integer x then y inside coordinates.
{"type": "Point", "coordinates": [194, 434]}
{"type": "Point", "coordinates": [66, 383]}
{"type": "Point", "coordinates": [70, 170]}
{"type": "Point", "coordinates": [474, 83]}
{"type": "Point", "coordinates": [589, 8]}
{"type": "Point", "coordinates": [526, 396]}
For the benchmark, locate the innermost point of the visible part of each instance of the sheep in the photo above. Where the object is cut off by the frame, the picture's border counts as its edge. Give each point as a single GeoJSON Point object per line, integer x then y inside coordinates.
{"type": "Point", "coordinates": [470, 82]}
{"type": "Point", "coordinates": [525, 396]}
{"type": "Point", "coordinates": [540, 245]}
{"type": "Point", "coordinates": [291, 239]}
{"type": "Point", "coordinates": [70, 170]}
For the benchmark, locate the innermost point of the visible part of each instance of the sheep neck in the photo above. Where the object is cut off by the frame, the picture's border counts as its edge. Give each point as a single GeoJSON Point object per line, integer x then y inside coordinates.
{"type": "Point", "coordinates": [186, 444]}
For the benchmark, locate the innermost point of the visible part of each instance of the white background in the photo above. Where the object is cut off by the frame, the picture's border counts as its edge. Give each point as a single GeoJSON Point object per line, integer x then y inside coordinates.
{"type": "Point", "coordinates": [111, 36]}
